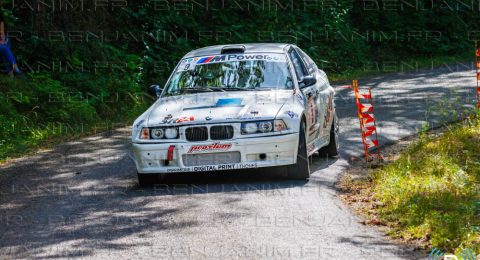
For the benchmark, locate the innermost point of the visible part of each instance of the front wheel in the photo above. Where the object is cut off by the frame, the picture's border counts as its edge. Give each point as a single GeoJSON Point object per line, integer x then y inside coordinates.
{"type": "Point", "coordinates": [301, 169]}
{"type": "Point", "coordinates": [332, 148]}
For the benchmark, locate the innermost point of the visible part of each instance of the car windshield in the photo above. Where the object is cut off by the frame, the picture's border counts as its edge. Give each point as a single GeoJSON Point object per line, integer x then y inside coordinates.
{"type": "Point", "coordinates": [231, 72]}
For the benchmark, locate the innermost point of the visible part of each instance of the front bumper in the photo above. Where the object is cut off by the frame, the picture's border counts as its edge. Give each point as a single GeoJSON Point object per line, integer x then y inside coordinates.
{"type": "Point", "coordinates": [253, 153]}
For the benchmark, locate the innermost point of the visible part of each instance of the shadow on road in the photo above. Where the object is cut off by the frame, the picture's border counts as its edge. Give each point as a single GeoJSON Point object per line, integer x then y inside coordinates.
{"type": "Point", "coordinates": [233, 181]}
{"type": "Point", "coordinates": [83, 196]}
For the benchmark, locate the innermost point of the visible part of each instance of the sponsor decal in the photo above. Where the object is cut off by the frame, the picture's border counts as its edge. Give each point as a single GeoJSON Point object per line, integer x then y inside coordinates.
{"type": "Point", "coordinates": [191, 63]}
{"type": "Point", "coordinates": [178, 170]}
{"type": "Point", "coordinates": [209, 148]}
{"type": "Point", "coordinates": [292, 114]}
{"type": "Point", "coordinates": [329, 112]}
{"type": "Point", "coordinates": [255, 113]}
{"type": "Point", "coordinates": [139, 123]}
{"type": "Point", "coordinates": [312, 113]}
{"type": "Point", "coordinates": [214, 167]}
{"type": "Point", "coordinates": [310, 148]}
{"type": "Point", "coordinates": [167, 119]}
{"type": "Point", "coordinates": [185, 119]}
{"type": "Point", "coordinates": [229, 102]}
{"type": "Point", "coordinates": [241, 57]}
{"type": "Point", "coordinates": [242, 118]}
{"type": "Point", "coordinates": [320, 142]}
{"type": "Point", "coordinates": [300, 98]}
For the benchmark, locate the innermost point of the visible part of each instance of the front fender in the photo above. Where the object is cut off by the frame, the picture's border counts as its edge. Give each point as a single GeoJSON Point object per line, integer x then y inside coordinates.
{"type": "Point", "coordinates": [292, 115]}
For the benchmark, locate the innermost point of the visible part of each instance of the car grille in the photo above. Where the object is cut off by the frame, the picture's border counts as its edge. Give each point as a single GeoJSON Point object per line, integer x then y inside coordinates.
{"type": "Point", "coordinates": [210, 159]}
{"type": "Point", "coordinates": [196, 133]}
{"type": "Point", "coordinates": [221, 132]}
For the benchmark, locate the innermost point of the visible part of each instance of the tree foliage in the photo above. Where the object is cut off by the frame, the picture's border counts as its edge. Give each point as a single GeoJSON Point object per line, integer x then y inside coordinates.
{"type": "Point", "coordinates": [91, 51]}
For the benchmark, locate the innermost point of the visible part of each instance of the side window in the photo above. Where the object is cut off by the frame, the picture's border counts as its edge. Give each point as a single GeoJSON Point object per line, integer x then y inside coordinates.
{"type": "Point", "coordinates": [300, 69]}
{"type": "Point", "coordinates": [324, 76]}
{"type": "Point", "coordinates": [311, 66]}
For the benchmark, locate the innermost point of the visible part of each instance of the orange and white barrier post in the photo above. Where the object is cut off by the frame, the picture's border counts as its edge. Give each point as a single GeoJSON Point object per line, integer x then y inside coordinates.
{"type": "Point", "coordinates": [477, 70]}
{"type": "Point", "coordinates": [368, 125]}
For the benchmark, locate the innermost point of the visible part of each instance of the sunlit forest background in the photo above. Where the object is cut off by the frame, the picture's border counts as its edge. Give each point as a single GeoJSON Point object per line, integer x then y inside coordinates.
{"type": "Point", "coordinates": [88, 63]}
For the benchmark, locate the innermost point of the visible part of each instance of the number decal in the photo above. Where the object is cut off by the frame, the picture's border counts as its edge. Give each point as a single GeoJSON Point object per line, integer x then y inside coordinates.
{"type": "Point", "coordinates": [312, 115]}
{"type": "Point", "coordinates": [329, 111]}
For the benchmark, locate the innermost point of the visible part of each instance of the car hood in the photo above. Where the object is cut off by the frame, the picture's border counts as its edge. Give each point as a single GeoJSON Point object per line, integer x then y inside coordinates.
{"type": "Point", "coordinates": [219, 107]}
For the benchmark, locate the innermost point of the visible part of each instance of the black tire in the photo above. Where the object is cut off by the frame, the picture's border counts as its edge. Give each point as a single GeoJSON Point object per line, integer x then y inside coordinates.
{"type": "Point", "coordinates": [147, 179]}
{"type": "Point", "coordinates": [301, 169]}
{"type": "Point", "coordinates": [332, 148]}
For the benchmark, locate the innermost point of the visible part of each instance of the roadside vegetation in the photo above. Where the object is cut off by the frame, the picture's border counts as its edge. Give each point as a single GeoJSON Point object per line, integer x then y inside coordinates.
{"type": "Point", "coordinates": [90, 65]}
{"type": "Point", "coordinates": [430, 193]}
{"type": "Point", "coordinates": [41, 111]}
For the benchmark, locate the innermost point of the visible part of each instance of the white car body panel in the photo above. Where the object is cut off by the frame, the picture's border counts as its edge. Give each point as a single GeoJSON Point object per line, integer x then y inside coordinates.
{"type": "Point", "coordinates": [280, 150]}
{"type": "Point", "coordinates": [314, 104]}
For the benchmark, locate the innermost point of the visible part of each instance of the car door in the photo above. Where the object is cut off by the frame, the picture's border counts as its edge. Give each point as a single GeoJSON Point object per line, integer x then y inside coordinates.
{"type": "Point", "coordinates": [327, 93]}
{"type": "Point", "coordinates": [324, 95]}
{"type": "Point", "coordinates": [311, 93]}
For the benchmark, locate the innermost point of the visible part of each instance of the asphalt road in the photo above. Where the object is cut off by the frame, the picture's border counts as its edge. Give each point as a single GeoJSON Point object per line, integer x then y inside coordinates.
{"type": "Point", "coordinates": [81, 199]}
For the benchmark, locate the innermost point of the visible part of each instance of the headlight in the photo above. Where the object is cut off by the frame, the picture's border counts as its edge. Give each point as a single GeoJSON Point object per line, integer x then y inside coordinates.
{"type": "Point", "coordinates": [249, 128]}
{"type": "Point", "coordinates": [157, 133]}
{"type": "Point", "coordinates": [263, 127]}
{"type": "Point", "coordinates": [171, 133]}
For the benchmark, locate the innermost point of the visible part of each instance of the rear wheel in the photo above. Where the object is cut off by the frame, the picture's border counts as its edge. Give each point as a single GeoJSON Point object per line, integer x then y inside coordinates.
{"type": "Point", "coordinates": [301, 169]}
{"type": "Point", "coordinates": [147, 179]}
{"type": "Point", "coordinates": [332, 148]}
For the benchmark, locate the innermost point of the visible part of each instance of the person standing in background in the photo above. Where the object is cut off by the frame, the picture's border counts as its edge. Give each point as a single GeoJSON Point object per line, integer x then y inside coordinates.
{"type": "Point", "coordinates": [6, 55]}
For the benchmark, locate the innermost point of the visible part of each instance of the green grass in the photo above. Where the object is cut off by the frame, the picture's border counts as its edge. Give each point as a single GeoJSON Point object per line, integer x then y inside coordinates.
{"type": "Point", "coordinates": [40, 111]}
{"type": "Point", "coordinates": [432, 192]}
{"type": "Point", "coordinates": [45, 136]}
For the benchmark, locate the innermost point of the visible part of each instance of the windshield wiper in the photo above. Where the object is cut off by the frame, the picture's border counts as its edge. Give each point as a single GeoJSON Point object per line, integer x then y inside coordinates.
{"type": "Point", "coordinates": [219, 89]}
{"type": "Point", "coordinates": [237, 89]}
{"type": "Point", "coordinates": [194, 90]}
{"type": "Point", "coordinates": [246, 89]}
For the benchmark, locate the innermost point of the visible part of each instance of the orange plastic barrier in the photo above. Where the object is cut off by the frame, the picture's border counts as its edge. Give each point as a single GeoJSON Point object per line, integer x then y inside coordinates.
{"type": "Point", "coordinates": [368, 125]}
{"type": "Point", "coordinates": [477, 63]}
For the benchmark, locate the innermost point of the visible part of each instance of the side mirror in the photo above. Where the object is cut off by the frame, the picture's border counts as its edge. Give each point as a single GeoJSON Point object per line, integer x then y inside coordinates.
{"type": "Point", "coordinates": [307, 81]}
{"type": "Point", "coordinates": [155, 91]}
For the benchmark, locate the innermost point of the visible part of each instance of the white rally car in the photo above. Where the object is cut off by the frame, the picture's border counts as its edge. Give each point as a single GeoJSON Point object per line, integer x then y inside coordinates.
{"type": "Point", "coordinates": [237, 107]}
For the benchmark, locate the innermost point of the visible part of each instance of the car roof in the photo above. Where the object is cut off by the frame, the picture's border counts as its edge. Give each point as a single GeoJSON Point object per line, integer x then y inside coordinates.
{"type": "Point", "coordinates": [249, 48]}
